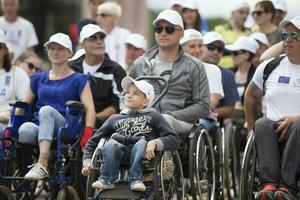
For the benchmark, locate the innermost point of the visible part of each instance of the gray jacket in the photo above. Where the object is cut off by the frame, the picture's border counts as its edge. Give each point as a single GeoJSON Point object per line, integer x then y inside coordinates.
{"type": "Point", "coordinates": [188, 97]}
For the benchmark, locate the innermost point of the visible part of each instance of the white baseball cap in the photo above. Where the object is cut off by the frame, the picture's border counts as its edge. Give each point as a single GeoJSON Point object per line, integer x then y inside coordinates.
{"type": "Point", "coordinates": [175, 2]}
{"type": "Point", "coordinates": [191, 34]}
{"type": "Point", "coordinates": [295, 21]}
{"type": "Point", "coordinates": [62, 39]}
{"type": "Point", "coordinates": [137, 40]}
{"type": "Point", "coordinates": [212, 36]}
{"type": "Point", "coordinates": [244, 43]}
{"type": "Point", "coordinates": [89, 30]}
{"type": "Point", "coordinates": [3, 38]}
{"type": "Point", "coordinates": [142, 85]}
{"type": "Point", "coordinates": [190, 4]}
{"type": "Point", "coordinates": [280, 5]}
{"type": "Point", "coordinates": [261, 37]}
{"type": "Point", "coordinates": [238, 4]}
{"type": "Point", "coordinates": [170, 16]}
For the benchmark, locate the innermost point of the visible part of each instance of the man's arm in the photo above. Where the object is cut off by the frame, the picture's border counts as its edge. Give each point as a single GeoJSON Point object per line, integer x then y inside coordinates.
{"type": "Point", "coordinates": [252, 101]}
{"type": "Point", "coordinates": [214, 100]}
{"type": "Point", "coordinates": [225, 111]}
{"type": "Point", "coordinates": [272, 52]}
{"type": "Point", "coordinates": [104, 114]}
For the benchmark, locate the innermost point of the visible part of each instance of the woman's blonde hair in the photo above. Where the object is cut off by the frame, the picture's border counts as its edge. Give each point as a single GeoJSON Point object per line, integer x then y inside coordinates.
{"type": "Point", "coordinates": [110, 8]}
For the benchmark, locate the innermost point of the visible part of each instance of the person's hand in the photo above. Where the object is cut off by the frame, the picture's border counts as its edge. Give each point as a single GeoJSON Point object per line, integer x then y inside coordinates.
{"type": "Point", "coordinates": [150, 150]}
{"type": "Point", "coordinates": [284, 124]}
{"type": "Point", "coordinates": [87, 169]}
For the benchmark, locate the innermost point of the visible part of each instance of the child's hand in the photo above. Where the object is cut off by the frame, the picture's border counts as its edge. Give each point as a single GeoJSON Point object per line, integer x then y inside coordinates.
{"type": "Point", "coordinates": [151, 146]}
{"type": "Point", "coordinates": [87, 169]}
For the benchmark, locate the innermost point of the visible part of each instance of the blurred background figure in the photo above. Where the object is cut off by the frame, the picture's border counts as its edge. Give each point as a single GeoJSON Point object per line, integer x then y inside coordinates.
{"type": "Point", "coordinates": [29, 62]}
{"type": "Point", "coordinates": [176, 5]}
{"type": "Point", "coordinates": [280, 11]}
{"type": "Point", "coordinates": [108, 15]}
{"type": "Point", "coordinates": [263, 14]}
{"type": "Point", "coordinates": [136, 45]}
{"type": "Point", "coordinates": [13, 82]}
{"type": "Point", "coordinates": [191, 16]}
{"type": "Point", "coordinates": [233, 29]}
{"type": "Point", "coordinates": [192, 43]}
{"type": "Point", "coordinates": [20, 33]}
{"type": "Point", "coordinates": [76, 27]}
{"type": "Point", "coordinates": [263, 43]}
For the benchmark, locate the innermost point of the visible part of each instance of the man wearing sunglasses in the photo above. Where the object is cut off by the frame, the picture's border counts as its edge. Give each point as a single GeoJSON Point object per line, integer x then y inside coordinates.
{"type": "Point", "coordinates": [277, 136]}
{"type": "Point", "coordinates": [105, 74]}
{"type": "Point", "coordinates": [187, 98]}
{"type": "Point", "coordinates": [212, 52]}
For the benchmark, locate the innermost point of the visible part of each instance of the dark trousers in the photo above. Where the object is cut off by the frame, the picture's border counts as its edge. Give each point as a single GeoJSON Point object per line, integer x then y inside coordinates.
{"type": "Point", "coordinates": [279, 163]}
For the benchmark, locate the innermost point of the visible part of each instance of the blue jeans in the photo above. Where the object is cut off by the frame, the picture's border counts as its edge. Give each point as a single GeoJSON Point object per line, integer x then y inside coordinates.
{"type": "Point", "coordinates": [208, 124]}
{"type": "Point", "coordinates": [50, 121]}
{"type": "Point", "coordinates": [113, 153]}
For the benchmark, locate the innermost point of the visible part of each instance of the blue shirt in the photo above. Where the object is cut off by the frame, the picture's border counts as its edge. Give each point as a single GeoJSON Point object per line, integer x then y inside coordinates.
{"type": "Point", "coordinates": [231, 94]}
{"type": "Point", "coordinates": [56, 93]}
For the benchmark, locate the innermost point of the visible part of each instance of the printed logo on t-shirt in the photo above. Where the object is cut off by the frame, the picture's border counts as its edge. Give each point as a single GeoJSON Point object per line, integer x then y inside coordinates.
{"type": "Point", "coordinates": [284, 79]}
{"type": "Point", "coordinates": [134, 125]}
{"type": "Point", "coordinates": [7, 80]}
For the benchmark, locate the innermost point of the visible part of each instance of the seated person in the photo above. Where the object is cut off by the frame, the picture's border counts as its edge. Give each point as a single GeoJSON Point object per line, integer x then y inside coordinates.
{"type": "Point", "coordinates": [52, 90]}
{"type": "Point", "coordinates": [277, 136]}
{"type": "Point", "coordinates": [137, 129]}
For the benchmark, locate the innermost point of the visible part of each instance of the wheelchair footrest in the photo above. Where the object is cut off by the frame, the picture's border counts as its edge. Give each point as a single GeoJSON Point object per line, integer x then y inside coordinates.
{"type": "Point", "coordinates": [122, 192]}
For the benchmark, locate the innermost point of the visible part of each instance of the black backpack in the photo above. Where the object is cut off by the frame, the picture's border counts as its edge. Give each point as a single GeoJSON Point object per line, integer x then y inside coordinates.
{"type": "Point", "coordinates": [269, 69]}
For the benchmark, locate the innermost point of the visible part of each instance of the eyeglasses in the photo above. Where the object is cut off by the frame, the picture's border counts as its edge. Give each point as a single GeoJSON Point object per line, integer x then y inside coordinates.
{"type": "Point", "coordinates": [236, 53]}
{"type": "Point", "coordinates": [212, 47]}
{"type": "Point", "coordinates": [257, 13]}
{"type": "Point", "coordinates": [31, 66]}
{"type": "Point", "coordinates": [97, 37]}
{"type": "Point", "coordinates": [104, 15]}
{"type": "Point", "coordinates": [169, 29]}
{"type": "Point", "coordinates": [294, 35]}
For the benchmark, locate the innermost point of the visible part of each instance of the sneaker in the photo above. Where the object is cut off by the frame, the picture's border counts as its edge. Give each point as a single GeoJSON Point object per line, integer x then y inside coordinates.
{"type": "Point", "coordinates": [267, 193]}
{"type": "Point", "coordinates": [283, 195]}
{"type": "Point", "coordinates": [138, 186]}
{"type": "Point", "coordinates": [37, 172]}
{"type": "Point", "coordinates": [103, 184]}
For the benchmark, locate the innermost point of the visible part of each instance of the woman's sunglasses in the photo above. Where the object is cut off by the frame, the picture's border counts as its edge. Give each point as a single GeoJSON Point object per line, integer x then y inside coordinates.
{"type": "Point", "coordinates": [294, 35]}
{"type": "Point", "coordinates": [236, 53]}
{"type": "Point", "coordinates": [212, 47]}
{"type": "Point", "coordinates": [169, 29]}
{"type": "Point", "coordinates": [257, 13]}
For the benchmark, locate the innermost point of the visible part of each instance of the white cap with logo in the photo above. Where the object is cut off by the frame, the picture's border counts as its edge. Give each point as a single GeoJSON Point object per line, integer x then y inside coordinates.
{"type": "Point", "coordinates": [211, 37]}
{"type": "Point", "coordinates": [191, 34]}
{"type": "Point", "coordinates": [238, 4]}
{"type": "Point", "coordinates": [3, 38]}
{"type": "Point", "coordinates": [280, 5]}
{"type": "Point", "coordinates": [170, 16]}
{"type": "Point", "coordinates": [142, 85]}
{"type": "Point", "coordinates": [295, 21]}
{"type": "Point", "coordinates": [61, 39]}
{"type": "Point", "coordinates": [244, 43]}
{"type": "Point", "coordinates": [89, 30]}
{"type": "Point", "coordinates": [261, 37]}
{"type": "Point", "coordinates": [137, 40]}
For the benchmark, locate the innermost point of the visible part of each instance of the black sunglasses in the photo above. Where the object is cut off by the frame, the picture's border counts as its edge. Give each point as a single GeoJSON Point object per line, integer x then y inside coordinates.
{"type": "Point", "coordinates": [104, 15]}
{"type": "Point", "coordinates": [97, 37]}
{"type": "Point", "coordinates": [212, 47]}
{"type": "Point", "coordinates": [31, 66]}
{"type": "Point", "coordinates": [169, 29]}
{"type": "Point", "coordinates": [294, 35]}
{"type": "Point", "coordinates": [236, 53]}
{"type": "Point", "coordinates": [257, 13]}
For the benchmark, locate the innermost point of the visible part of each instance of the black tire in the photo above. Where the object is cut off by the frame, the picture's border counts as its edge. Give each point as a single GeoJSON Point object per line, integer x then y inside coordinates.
{"type": "Point", "coordinates": [249, 173]}
{"type": "Point", "coordinates": [67, 193]}
{"type": "Point", "coordinates": [202, 169]}
{"type": "Point", "coordinates": [5, 193]}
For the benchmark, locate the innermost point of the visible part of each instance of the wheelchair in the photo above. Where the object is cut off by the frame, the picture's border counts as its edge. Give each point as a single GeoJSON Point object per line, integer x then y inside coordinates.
{"type": "Point", "coordinates": [64, 167]}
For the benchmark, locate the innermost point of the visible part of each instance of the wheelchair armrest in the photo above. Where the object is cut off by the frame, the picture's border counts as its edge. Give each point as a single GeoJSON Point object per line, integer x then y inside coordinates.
{"type": "Point", "coordinates": [19, 104]}
{"type": "Point", "coordinates": [75, 104]}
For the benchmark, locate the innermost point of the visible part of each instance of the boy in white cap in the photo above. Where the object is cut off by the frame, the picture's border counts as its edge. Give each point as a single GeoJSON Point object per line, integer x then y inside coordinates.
{"type": "Point", "coordinates": [136, 45]}
{"type": "Point", "coordinates": [277, 136]}
{"type": "Point", "coordinates": [151, 133]}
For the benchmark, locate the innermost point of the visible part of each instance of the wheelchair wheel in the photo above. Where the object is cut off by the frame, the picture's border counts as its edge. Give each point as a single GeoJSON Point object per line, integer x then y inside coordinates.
{"type": "Point", "coordinates": [5, 193]}
{"type": "Point", "coordinates": [172, 187]}
{"type": "Point", "coordinates": [249, 172]}
{"type": "Point", "coordinates": [67, 193]}
{"type": "Point", "coordinates": [231, 161]}
{"type": "Point", "coordinates": [202, 166]}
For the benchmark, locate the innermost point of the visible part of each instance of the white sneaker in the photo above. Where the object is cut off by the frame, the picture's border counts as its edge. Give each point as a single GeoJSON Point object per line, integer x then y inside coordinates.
{"type": "Point", "coordinates": [38, 172]}
{"type": "Point", "coordinates": [138, 186]}
{"type": "Point", "coordinates": [103, 184]}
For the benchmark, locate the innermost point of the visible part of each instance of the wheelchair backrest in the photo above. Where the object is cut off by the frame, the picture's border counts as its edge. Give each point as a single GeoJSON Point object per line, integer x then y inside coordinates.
{"type": "Point", "coordinates": [75, 118]}
{"type": "Point", "coordinates": [18, 119]}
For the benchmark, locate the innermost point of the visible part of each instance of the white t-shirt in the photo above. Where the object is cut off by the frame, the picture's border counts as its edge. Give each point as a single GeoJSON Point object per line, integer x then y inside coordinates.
{"type": "Point", "coordinates": [20, 34]}
{"type": "Point", "coordinates": [7, 83]}
{"type": "Point", "coordinates": [115, 44]}
{"type": "Point", "coordinates": [90, 68]}
{"type": "Point", "coordinates": [282, 89]}
{"type": "Point", "coordinates": [214, 78]}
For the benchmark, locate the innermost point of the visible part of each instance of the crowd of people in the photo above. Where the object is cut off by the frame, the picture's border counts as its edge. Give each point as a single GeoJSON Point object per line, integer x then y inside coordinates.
{"type": "Point", "coordinates": [213, 74]}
